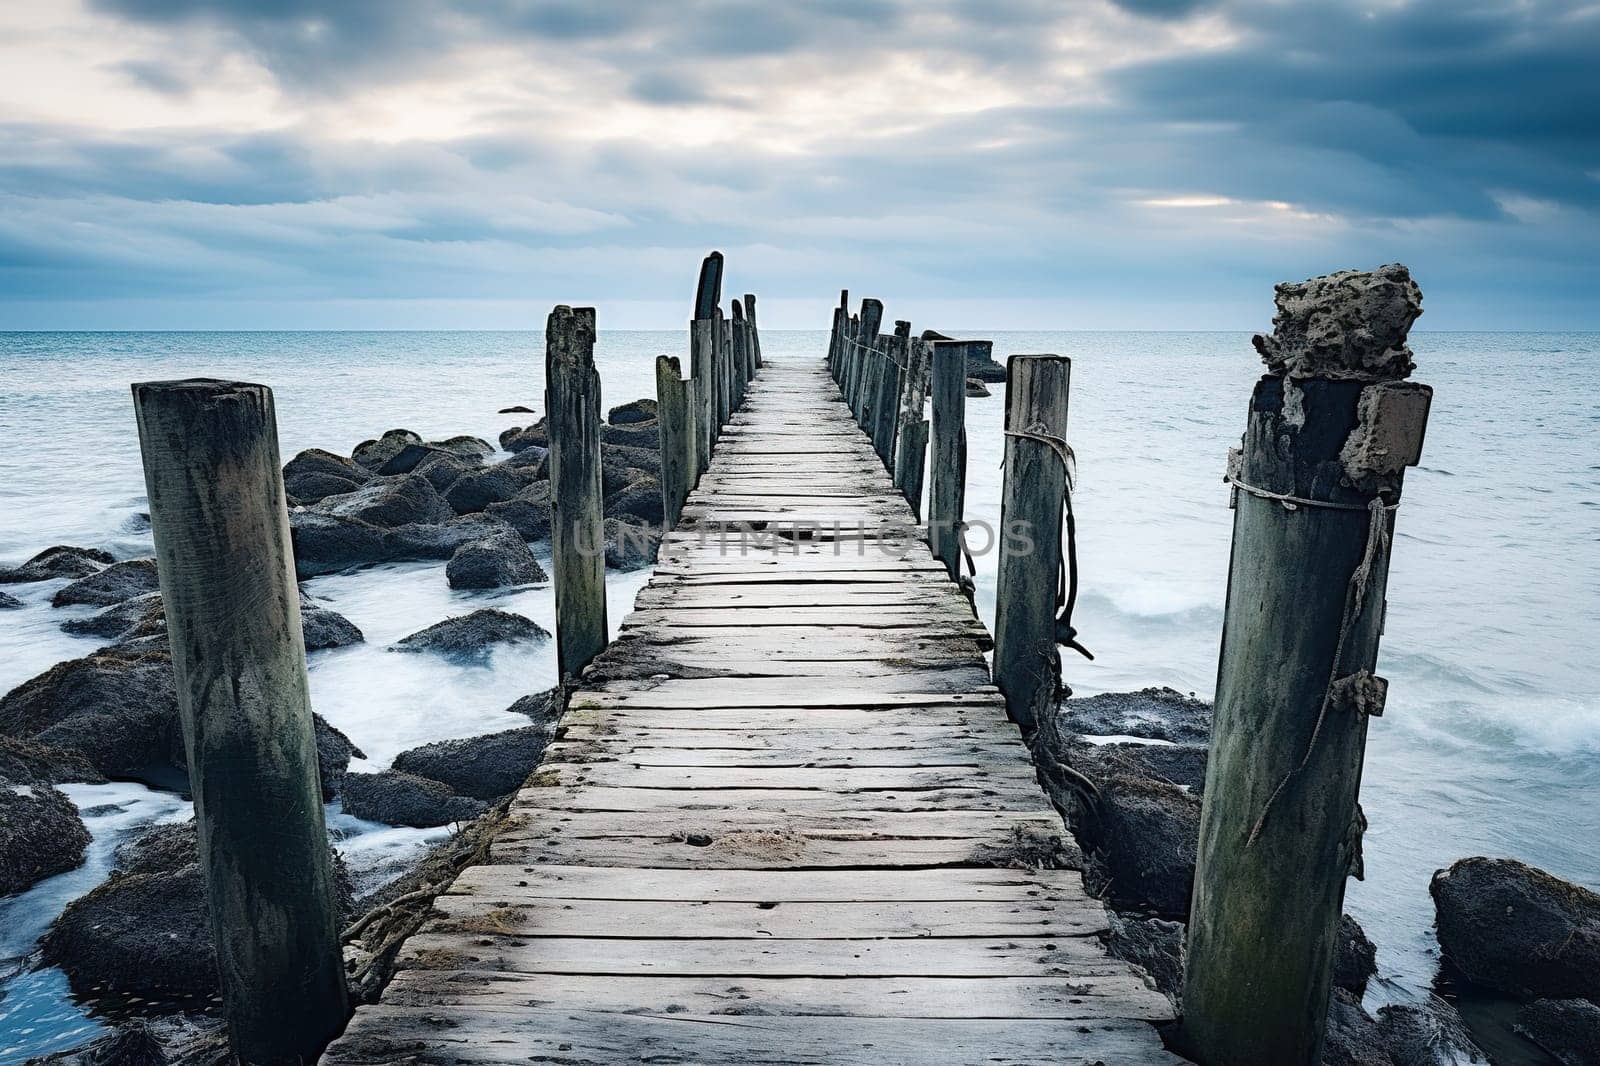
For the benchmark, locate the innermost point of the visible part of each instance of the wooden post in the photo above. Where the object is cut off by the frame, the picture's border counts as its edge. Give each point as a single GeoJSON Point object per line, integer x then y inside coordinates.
{"type": "Point", "coordinates": [1330, 432]}
{"type": "Point", "coordinates": [738, 349]}
{"type": "Point", "coordinates": [708, 290]}
{"type": "Point", "coordinates": [849, 354]}
{"type": "Point", "coordinates": [1027, 667]}
{"type": "Point", "coordinates": [725, 384]}
{"type": "Point", "coordinates": [885, 414]}
{"type": "Point", "coordinates": [866, 339]}
{"type": "Point", "coordinates": [679, 441]}
{"type": "Point", "coordinates": [947, 492]}
{"type": "Point", "coordinates": [836, 342]}
{"type": "Point", "coordinates": [215, 484]}
{"type": "Point", "coordinates": [703, 364]}
{"type": "Point", "coordinates": [755, 332]}
{"type": "Point", "coordinates": [577, 536]}
{"type": "Point", "coordinates": [910, 457]}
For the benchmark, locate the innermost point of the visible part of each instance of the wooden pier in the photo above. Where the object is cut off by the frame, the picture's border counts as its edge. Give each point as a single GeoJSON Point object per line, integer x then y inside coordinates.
{"type": "Point", "coordinates": [786, 820]}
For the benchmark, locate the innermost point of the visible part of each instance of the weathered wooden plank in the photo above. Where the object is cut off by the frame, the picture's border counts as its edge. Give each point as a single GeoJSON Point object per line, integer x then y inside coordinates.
{"type": "Point", "coordinates": [631, 798]}
{"type": "Point", "coordinates": [500, 1036]}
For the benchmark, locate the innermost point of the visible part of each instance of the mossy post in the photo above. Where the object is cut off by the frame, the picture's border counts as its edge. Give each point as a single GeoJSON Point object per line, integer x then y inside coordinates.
{"type": "Point", "coordinates": [1331, 429]}
{"type": "Point", "coordinates": [703, 356]}
{"type": "Point", "coordinates": [725, 379]}
{"type": "Point", "coordinates": [675, 409]}
{"type": "Point", "coordinates": [755, 332]}
{"type": "Point", "coordinates": [739, 347]}
{"type": "Point", "coordinates": [911, 454]}
{"type": "Point", "coordinates": [863, 351]}
{"type": "Point", "coordinates": [577, 536]}
{"type": "Point", "coordinates": [1027, 666]}
{"type": "Point", "coordinates": [947, 488]}
{"type": "Point", "coordinates": [217, 510]}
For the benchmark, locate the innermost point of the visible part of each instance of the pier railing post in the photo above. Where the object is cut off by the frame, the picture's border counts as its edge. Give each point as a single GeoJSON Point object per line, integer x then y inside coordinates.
{"type": "Point", "coordinates": [885, 417]}
{"type": "Point", "coordinates": [679, 444]}
{"type": "Point", "coordinates": [703, 357]}
{"type": "Point", "coordinates": [217, 510]}
{"type": "Point", "coordinates": [577, 535]}
{"type": "Point", "coordinates": [725, 372]}
{"type": "Point", "coordinates": [1027, 666]}
{"type": "Point", "coordinates": [864, 348]}
{"type": "Point", "coordinates": [754, 332]}
{"type": "Point", "coordinates": [1330, 432]}
{"type": "Point", "coordinates": [739, 349]}
{"type": "Point", "coordinates": [910, 457]}
{"type": "Point", "coordinates": [947, 491]}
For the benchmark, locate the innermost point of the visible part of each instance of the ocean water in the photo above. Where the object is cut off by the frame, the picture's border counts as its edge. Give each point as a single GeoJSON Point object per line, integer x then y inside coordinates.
{"type": "Point", "coordinates": [1490, 743]}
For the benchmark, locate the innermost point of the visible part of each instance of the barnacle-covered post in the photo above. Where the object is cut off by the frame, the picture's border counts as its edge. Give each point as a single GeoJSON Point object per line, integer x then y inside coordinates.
{"type": "Point", "coordinates": [1027, 666]}
{"type": "Point", "coordinates": [221, 528]}
{"type": "Point", "coordinates": [577, 539]}
{"type": "Point", "coordinates": [1332, 427]}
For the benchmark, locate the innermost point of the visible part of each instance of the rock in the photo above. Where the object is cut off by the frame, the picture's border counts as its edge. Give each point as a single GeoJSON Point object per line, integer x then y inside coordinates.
{"type": "Point", "coordinates": [314, 474]}
{"type": "Point", "coordinates": [141, 616]}
{"type": "Point", "coordinates": [518, 438]}
{"type": "Point", "coordinates": [1151, 943]}
{"type": "Point", "coordinates": [640, 500]}
{"type": "Point", "coordinates": [147, 930]}
{"type": "Point", "coordinates": [517, 409]}
{"type": "Point", "coordinates": [530, 458]}
{"type": "Point", "coordinates": [1508, 926]}
{"type": "Point", "coordinates": [1180, 764]}
{"type": "Point", "coordinates": [374, 453]}
{"type": "Point", "coordinates": [63, 560]}
{"type": "Point", "coordinates": [500, 561]}
{"type": "Point", "coordinates": [1144, 835]}
{"type": "Point", "coordinates": [1427, 1034]}
{"type": "Point", "coordinates": [1151, 713]}
{"type": "Point", "coordinates": [132, 1043]}
{"type": "Point", "coordinates": [396, 798]}
{"type": "Point", "coordinates": [9, 603]}
{"type": "Point", "coordinates": [543, 707]}
{"type": "Point", "coordinates": [628, 413]}
{"type": "Point", "coordinates": [473, 635]}
{"type": "Point", "coordinates": [326, 544]}
{"type": "Point", "coordinates": [390, 502]}
{"type": "Point", "coordinates": [118, 710]}
{"type": "Point", "coordinates": [1349, 326]}
{"type": "Point", "coordinates": [976, 387]}
{"type": "Point", "coordinates": [1355, 958]}
{"type": "Point", "coordinates": [622, 457]}
{"type": "Point", "coordinates": [117, 582]}
{"type": "Point", "coordinates": [633, 435]}
{"type": "Point", "coordinates": [485, 767]}
{"type": "Point", "coordinates": [324, 629]}
{"type": "Point", "coordinates": [334, 752]}
{"type": "Point", "coordinates": [477, 489]}
{"type": "Point", "coordinates": [443, 469]}
{"type": "Point", "coordinates": [630, 546]}
{"type": "Point", "coordinates": [1569, 1029]}
{"type": "Point", "coordinates": [41, 835]}
{"type": "Point", "coordinates": [23, 762]}
{"type": "Point", "coordinates": [440, 541]}
{"type": "Point", "coordinates": [981, 365]}
{"type": "Point", "coordinates": [1353, 1037]}
{"type": "Point", "coordinates": [465, 446]}
{"type": "Point", "coordinates": [528, 512]}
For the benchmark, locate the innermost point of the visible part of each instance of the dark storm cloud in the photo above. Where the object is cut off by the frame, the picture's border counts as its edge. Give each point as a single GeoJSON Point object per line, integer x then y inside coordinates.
{"type": "Point", "coordinates": [1462, 135]}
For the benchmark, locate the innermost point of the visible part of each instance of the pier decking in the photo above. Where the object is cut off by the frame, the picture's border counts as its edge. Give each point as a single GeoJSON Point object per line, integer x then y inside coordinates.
{"type": "Point", "coordinates": [786, 821]}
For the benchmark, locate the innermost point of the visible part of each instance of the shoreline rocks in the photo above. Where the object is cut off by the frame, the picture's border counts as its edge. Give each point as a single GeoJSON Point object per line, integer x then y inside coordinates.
{"type": "Point", "coordinates": [499, 561]}
{"type": "Point", "coordinates": [1514, 928]}
{"type": "Point", "coordinates": [397, 798]}
{"type": "Point", "coordinates": [41, 835]}
{"type": "Point", "coordinates": [1157, 713]}
{"type": "Point", "coordinates": [483, 768]}
{"type": "Point", "coordinates": [112, 585]}
{"type": "Point", "coordinates": [474, 635]}
{"type": "Point", "coordinates": [62, 560]}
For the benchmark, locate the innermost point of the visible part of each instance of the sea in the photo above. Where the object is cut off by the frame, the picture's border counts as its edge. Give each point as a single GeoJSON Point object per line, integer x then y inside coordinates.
{"type": "Point", "coordinates": [1490, 744]}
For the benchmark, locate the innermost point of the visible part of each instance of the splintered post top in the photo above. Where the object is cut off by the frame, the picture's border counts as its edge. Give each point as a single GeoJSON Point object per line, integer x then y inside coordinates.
{"type": "Point", "coordinates": [1348, 326]}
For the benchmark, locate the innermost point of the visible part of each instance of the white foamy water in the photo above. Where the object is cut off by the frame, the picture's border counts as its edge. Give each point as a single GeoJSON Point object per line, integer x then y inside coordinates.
{"type": "Point", "coordinates": [1490, 744]}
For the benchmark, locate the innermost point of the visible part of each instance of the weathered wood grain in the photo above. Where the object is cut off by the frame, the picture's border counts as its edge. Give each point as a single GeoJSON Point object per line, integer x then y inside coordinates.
{"type": "Point", "coordinates": [786, 818]}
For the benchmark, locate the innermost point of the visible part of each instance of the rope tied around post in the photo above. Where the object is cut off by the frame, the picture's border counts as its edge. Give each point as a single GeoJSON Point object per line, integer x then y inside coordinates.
{"type": "Point", "coordinates": [1067, 588]}
{"type": "Point", "coordinates": [1360, 684]}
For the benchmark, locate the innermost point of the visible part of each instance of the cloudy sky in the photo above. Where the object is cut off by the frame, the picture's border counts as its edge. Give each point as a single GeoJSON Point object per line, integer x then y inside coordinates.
{"type": "Point", "coordinates": [993, 163]}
